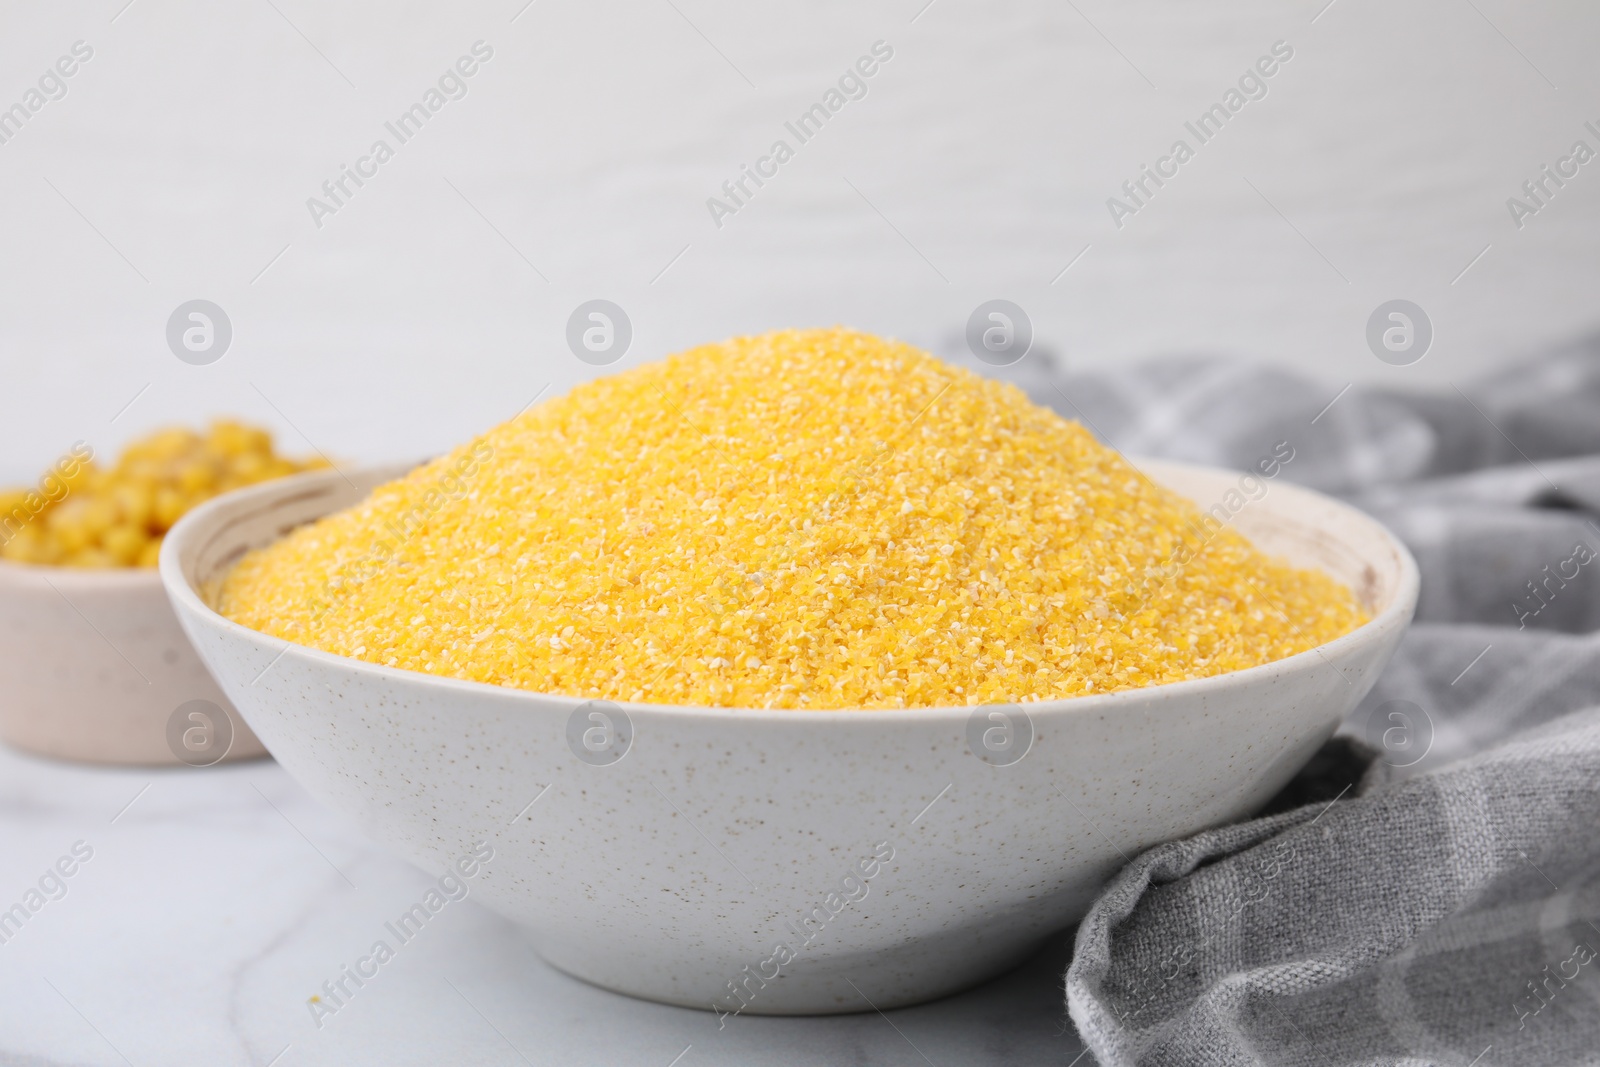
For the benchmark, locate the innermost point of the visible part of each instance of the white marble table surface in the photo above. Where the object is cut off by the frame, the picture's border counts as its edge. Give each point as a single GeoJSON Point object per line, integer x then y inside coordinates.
{"type": "Point", "coordinates": [207, 914]}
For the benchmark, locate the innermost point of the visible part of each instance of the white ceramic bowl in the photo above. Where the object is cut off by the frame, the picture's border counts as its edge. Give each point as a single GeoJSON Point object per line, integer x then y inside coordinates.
{"type": "Point", "coordinates": [94, 668]}
{"type": "Point", "coordinates": [890, 863]}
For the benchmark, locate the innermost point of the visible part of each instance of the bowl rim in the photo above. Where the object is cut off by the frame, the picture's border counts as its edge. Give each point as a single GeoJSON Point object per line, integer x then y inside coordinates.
{"type": "Point", "coordinates": [1396, 615]}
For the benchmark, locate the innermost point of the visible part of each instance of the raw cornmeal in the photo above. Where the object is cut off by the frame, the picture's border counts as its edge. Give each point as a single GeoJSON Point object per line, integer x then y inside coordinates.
{"type": "Point", "coordinates": [805, 519]}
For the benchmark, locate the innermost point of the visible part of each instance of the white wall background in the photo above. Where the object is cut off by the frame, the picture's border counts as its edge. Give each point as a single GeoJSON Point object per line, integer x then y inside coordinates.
{"type": "Point", "coordinates": [179, 162]}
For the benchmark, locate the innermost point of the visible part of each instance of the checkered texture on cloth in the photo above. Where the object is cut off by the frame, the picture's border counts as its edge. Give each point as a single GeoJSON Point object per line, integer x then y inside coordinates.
{"type": "Point", "coordinates": [1428, 891]}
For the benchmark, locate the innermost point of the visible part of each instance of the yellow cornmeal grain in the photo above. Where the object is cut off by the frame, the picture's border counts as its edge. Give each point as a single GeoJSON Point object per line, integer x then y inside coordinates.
{"type": "Point", "coordinates": [805, 519]}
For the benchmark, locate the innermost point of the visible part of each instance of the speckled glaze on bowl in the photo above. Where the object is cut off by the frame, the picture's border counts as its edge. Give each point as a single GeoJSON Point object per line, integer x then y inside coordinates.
{"type": "Point", "coordinates": [93, 665]}
{"type": "Point", "coordinates": [676, 872]}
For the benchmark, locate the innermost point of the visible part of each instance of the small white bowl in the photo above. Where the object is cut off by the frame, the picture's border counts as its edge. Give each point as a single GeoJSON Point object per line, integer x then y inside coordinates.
{"type": "Point", "coordinates": [95, 667]}
{"type": "Point", "coordinates": [676, 871]}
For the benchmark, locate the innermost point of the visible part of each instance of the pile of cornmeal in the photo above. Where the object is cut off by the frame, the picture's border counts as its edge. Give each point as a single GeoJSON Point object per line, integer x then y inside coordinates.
{"type": "Point", "coordinates": [807, 519]}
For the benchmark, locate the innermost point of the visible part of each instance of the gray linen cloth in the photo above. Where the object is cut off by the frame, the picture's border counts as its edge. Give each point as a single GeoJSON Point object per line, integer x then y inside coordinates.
{"type": "Point", "coordinates": [1428, 891]}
